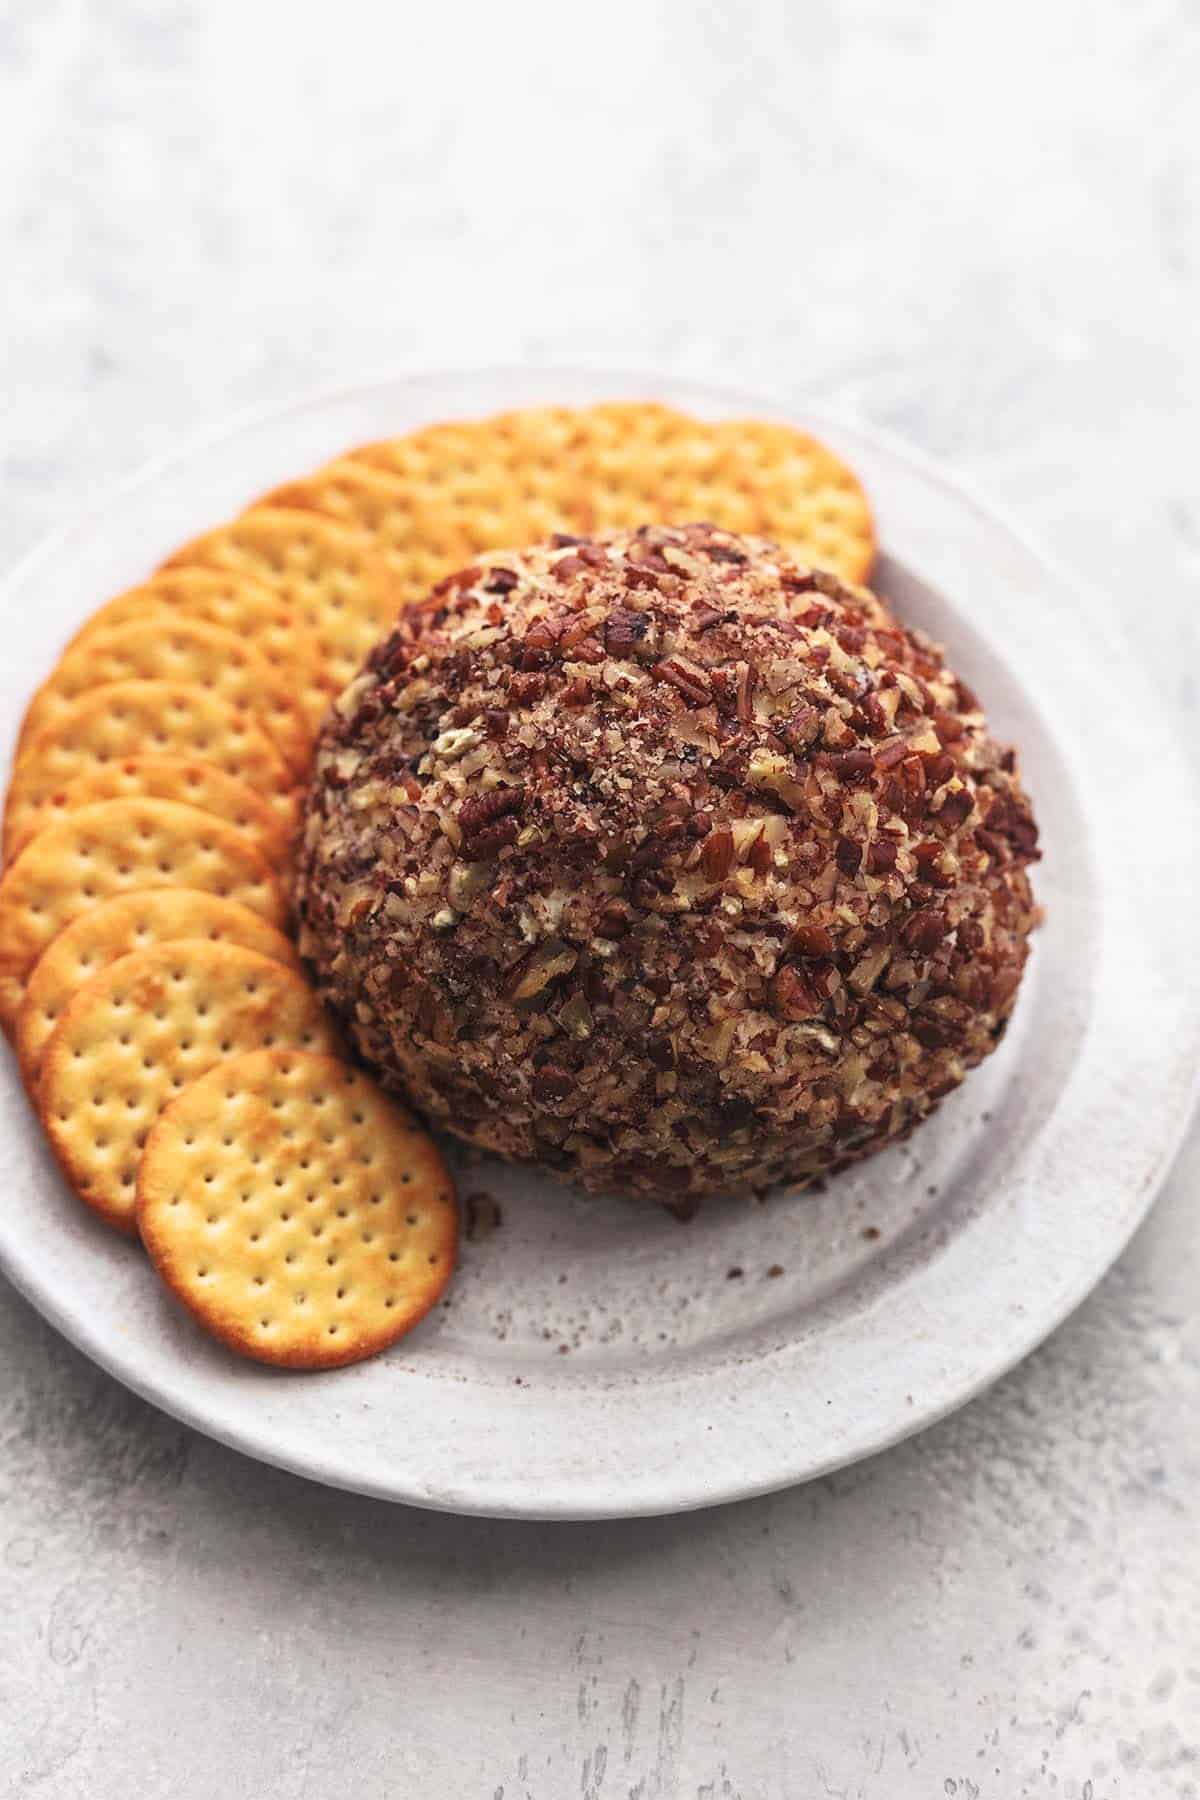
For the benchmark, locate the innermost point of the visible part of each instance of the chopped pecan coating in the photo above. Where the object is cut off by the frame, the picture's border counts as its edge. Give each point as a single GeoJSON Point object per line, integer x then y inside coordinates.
{"type": "Point", "coordinates": [665, 863]}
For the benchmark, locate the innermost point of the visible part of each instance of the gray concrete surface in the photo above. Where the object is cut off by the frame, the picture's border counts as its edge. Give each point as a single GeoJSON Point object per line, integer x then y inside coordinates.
{"type": "Point", "coordinates": [976, 225]}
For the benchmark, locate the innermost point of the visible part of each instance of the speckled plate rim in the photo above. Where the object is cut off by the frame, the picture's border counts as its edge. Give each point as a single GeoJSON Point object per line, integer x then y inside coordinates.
{"type": "Point", "coordinates": [919, 1349]}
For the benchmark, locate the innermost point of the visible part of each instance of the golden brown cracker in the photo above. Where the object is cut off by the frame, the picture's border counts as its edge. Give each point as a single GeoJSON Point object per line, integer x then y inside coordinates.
{"type": "Point", "coordinates": [811, 502]}
{"type": "Point", "coordinates": [434, 500]}
{"type": "Point", "coordinates": [484, 484]}
{"type": "Point", "coordinates": [117, 847]}
{"type": "Point", "coordinates": [529, 444]}
{"type": "Point", "coordinates": [220, 597]}
{"type": "Point", "coordinates": [142, 718]}
{"type": "Point", "coordinates": [640, 463]}
{"type": "Point", "coordinates": [328, 575]}
{"type": "Point", "coordinates": [176, 650]}
{"type": "Point", "coordinates": [673, 471]}
{"type": "Point", "coordinates": [114, 928]}
{"type": "Point", "coordinates": [523, 450]}
{"type": "Point", "coordinates": [300, 1215]}
{"type": "Point", "coordinates": [422, 533]}
{"type": "Point", "coordinates": [143, 1028]}
{"type": "Point", "coordinates": [193, 783]}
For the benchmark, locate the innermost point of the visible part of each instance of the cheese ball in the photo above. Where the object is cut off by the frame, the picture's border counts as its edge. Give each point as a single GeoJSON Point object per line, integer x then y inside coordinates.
{"type": "Point", "coordinates": [665, 863]}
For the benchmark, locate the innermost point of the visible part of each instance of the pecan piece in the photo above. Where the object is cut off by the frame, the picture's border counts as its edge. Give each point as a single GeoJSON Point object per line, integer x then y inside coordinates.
{"type": "Point", "coordinates": [526, 690]}
{"type": "Point", "coordinates": [924, 930]}
{"type": "Point", "coordinates": [613, 921]}
{"type": "Point", "coordinates": [587, 649]}
{"type": "Point", "coordinates": [892, 752]}
{"type": "Point", "coordinates": [624, 632]}
{"type": "Point", "coordinates": [716, 858]}
{"type": "Point", "coordinates": [747, 684]}
{"type": "Point", "coordinates": [955, 808]}
{"type": "Point", "coordinates": [850, 765]}
{"type": "Point", "coordinates": [537, 646]}
{"type": "Point", "coordinates": [791, 996]}
{"type": "Point", "coordinates": [730, 770]}
{"type": "Point", "coordinates": [802, 729]}
{"type": "Point", "coordinates": [812, 940]}
{"type": "Point", "coordinates": [548, 964]}
{"type": "Point", "coordinates": [848, 856]}
{"type": "Point", "coordinates": [761, 856]}
{"type": "Point", "coordinates": [551, 1084]}
{"type": "Point", "coordinates": [489, 821]}
{"type": "Point", "coordinates": [970, 935]}
{"type": "Point", "coordinates": [724, 687]}
{"type": "Point", "coordinates": [931, 1032]}
{"type": "Point", "coordinates": [688, 677]}
{"type": "Point", "coordinates": [875, 714]}
{"type": "Point", "coordinates": [947, 725]}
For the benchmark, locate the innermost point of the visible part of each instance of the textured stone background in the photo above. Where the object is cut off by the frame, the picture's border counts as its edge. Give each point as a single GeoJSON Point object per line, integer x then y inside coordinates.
{"type": "Point", "coordinates": [978, 225]}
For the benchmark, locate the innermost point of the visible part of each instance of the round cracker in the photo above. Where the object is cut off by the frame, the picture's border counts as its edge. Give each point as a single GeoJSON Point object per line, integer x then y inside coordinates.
{"type": "Point", "coordinates": [527, 438]}
{"type": "Point", "coordinates": [422, 531]}
{"type": "Point", "coordinates": [529, 445]}
{"type": "Point", "coordinates": [115, 847]}
{"type": "Point", "coordinates": [434, 500]}
{"type": "Point", "coordinates": [328, 575]}
{"type": "Point", "coordinates": [138, 1032]}
{"type": "Point", "coordinates": [183, 779]}
{"type": "Point", "coordinates": [129, 922]}
{"type": "Point", "coordinates": [671, 472]}
{"type": "Point", "coordinates": [809, 500]}
{"type": "Point", "coordinates": [299, 1214]}
{"type": "Point", "coordinates": [220, 597]}
{"type": "Point", "coordinates": [177, 650]}
{"type": "Point", "coordinates": [142, 718]}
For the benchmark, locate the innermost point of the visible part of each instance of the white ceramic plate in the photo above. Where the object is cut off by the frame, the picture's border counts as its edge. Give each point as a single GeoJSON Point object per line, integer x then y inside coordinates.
{"type": "Point", "coordinates": [596, 1359]}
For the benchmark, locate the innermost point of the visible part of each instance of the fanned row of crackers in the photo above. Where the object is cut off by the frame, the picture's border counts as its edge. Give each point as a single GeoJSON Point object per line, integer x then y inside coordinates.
{"type": "Point", "coordinates": [192, 1087]}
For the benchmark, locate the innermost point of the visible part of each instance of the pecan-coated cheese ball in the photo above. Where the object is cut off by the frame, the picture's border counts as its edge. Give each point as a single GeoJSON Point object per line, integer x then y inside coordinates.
{"type": "Point", "coordinates": [665, 863]}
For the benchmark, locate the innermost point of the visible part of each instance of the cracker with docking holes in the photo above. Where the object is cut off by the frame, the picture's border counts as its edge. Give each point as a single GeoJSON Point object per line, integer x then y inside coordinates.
{"type": "Point", "coordinates": [143, 1028]}
{"type": "Point", "coordinates": [744, 475]}
{"type": "Point", "coordinates": [113, 929]}
{"type": "Point", "coordinates": [432, 502]}
{"type": "Point", "coordinates": [179, 650]}
{"type": "Point", "coordinates": [528, 441]}
{"type": "Point", "coordinates": [194, 783]}
{"type": "Point", "coordinates": [538, 449]}
{"type": "Point", "coordinates": [809, 501]}
{"type": "Point", "coordinates": [143, 718]}
{"type": "Point", "coordinates": [329, 576]}
{"type": "Point", "coordinates": [669, 470]}
{"type": "Point", "coordinates": [421, 534]}
{"type": "Point", "coordinates": [219, 597]}
{"type": "Point", "coordinates": [299, 1214]}
{"type": "Point", "coordinates": [119, 846]}
{"type": "Point", "coordinates": [441, 496]}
